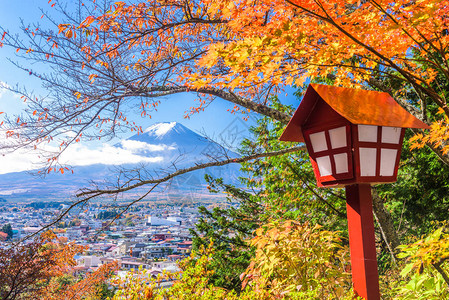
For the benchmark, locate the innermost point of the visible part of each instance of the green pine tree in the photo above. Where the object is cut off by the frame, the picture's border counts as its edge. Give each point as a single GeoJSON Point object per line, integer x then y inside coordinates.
{"type": "Point", "coordinates": [229, 229]}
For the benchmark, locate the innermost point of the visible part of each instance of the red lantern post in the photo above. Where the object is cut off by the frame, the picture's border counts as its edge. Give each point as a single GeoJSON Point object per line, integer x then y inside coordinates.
{"type": "Point", "coordinates": [362, 243]}
{"type": "Point", "coordinates": [354, 139]}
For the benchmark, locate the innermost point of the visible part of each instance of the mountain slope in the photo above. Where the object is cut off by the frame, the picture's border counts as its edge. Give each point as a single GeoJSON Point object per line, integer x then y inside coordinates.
{"type": "Point", "coordinates": [161, 148]}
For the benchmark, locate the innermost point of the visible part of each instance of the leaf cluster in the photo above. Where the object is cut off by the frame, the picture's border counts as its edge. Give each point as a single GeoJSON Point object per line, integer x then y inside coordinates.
{"type": "Point", "coordinates": [425, 272]}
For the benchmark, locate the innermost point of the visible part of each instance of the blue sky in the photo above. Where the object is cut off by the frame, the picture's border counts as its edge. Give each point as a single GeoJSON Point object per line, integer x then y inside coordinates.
{"type": "Point", "coordinates": [214, 122]}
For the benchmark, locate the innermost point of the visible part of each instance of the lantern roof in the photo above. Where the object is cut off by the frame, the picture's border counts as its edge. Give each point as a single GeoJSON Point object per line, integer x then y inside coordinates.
{"type": "Point", "coordinates": [356, 105]}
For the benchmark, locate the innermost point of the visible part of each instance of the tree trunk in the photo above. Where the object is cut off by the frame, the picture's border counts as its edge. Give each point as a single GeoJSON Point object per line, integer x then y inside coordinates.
{"type": "Point", "coordinates": [386, 225]}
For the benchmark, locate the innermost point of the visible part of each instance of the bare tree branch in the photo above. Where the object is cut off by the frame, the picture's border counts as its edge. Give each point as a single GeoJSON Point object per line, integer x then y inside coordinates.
{"type": "Point", "coordinates": [90, 194]}
{"type": "Point", "coordinates": [98, 192]}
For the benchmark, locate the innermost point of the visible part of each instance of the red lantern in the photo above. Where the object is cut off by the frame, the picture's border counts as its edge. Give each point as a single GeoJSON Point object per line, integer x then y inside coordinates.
{"type": "Point", "coordinates": [354, 139]}
{"type": "Point", "coordinates": [343, 154]}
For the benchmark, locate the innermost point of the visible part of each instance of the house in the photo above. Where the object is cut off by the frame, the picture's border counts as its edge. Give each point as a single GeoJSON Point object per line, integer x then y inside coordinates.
{"type": "Point", "coordinates": [184, 247]}
{"type": "Point", "coordinates": [132, 265]}
{"type": "Point", "coordinates": [162, 236]}
{"type": "Point", "coordinates": [153, 251]}
{"type": "Point", "coordinates": [185, 244]}
{"type": "Point", "coordinates": [80, 270]}
{"type": "Point", "coordinates": [155, 272]}
{"type": "Point", "coordinates": [169, 266]}
{"type": "Point", "coordinates": [84, 229]}
{"type": "Point", "coordinates": [124, 247]}
{"type": "Point", "coordinates": [136, 249]}
{"type": "Point", "coordinates": [113, 251]}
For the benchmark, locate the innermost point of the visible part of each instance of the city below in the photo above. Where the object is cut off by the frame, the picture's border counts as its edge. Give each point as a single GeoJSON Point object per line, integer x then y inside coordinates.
{"type": "Point", "coordinates": [148, 236]}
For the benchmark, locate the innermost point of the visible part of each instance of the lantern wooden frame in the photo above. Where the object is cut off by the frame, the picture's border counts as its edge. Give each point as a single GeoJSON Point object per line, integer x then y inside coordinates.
{"type": "Point", "coordinates": [330, 152]}
{"type": "Point", "coordinates": [378, 145]}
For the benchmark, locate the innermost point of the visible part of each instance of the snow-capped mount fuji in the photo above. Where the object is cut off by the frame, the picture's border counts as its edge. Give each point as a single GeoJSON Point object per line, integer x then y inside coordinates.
{"type": "Point", "coordinates": [167, 131]}
{"type": "Point", "coordinates": [175, 143]}
{"type": "Point", "coordinates": [160, 149]}
{"type": "Point", "coordinates": [174, 136]}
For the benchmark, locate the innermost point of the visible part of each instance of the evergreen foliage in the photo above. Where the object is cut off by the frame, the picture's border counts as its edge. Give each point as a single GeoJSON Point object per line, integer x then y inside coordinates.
{"type": "Point", "coordinates": [228, 230]}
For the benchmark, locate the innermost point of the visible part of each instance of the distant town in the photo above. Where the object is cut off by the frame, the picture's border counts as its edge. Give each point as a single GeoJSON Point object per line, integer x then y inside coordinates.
{"type": "Point", "coordinates": [148, 236]}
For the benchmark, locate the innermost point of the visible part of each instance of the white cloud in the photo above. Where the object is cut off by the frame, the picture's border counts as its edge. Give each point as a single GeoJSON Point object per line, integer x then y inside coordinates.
{"type": "Point", "coordinates": [76, 155]}
{"type": "Point", "coordinates": [10, 103]}
{"type": "Point", "coordinates": [12, 191]}
{"type": "Point", "coordinates": [16, 162]}
{"type": "Point", "coordinates": [70, 134]}
{"type": "Point", "coordinates": [3, 86]}
{"type": "Point", "coordinates": [135, 146]}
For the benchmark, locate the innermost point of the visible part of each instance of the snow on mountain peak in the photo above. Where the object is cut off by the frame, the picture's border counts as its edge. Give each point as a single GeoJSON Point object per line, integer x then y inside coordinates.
{"type": "Point", "coordinates": [160, 129]}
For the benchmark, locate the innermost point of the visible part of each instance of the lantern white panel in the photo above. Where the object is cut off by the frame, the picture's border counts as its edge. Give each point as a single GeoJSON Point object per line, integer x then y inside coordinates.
{"type": "Point", "coordinates": [324, 165]}
{"type": "Point", "coordinates": [367, 161]}
{"type": "Point", "coordinates": [367, 133]}
{"type": "Point", "coordinates": [391, 135]}
{"type": "Point", "coordinates": [387, 161]}
{"type": "Point", "coordinates": [338, 137]}
{"type": "Point", "coordinates": [318, 141]}
{"type": "Point", "coordinates": [341, 163]}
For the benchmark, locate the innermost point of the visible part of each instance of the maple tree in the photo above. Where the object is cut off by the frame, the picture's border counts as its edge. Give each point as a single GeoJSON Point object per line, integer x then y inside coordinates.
{"type": "Point", "coordinates": [34, 270]}
{"type": "Point", "coordinates": [8, 230]}
{"type": "Point", "coordinates": [22, 268]}
{"type": "Point", "coordinates": [298, 258]}
{"type": "Point", "coordinates": [90, 286]}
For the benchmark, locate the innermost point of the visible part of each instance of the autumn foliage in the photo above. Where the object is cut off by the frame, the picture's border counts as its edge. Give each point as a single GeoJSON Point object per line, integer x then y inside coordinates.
{"type": "Point", "coordinates": [292, 261]}
{"type": "Point", "coordinates": [298, 259]}
{"type": "Point", "coordinates": [37, 270]}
